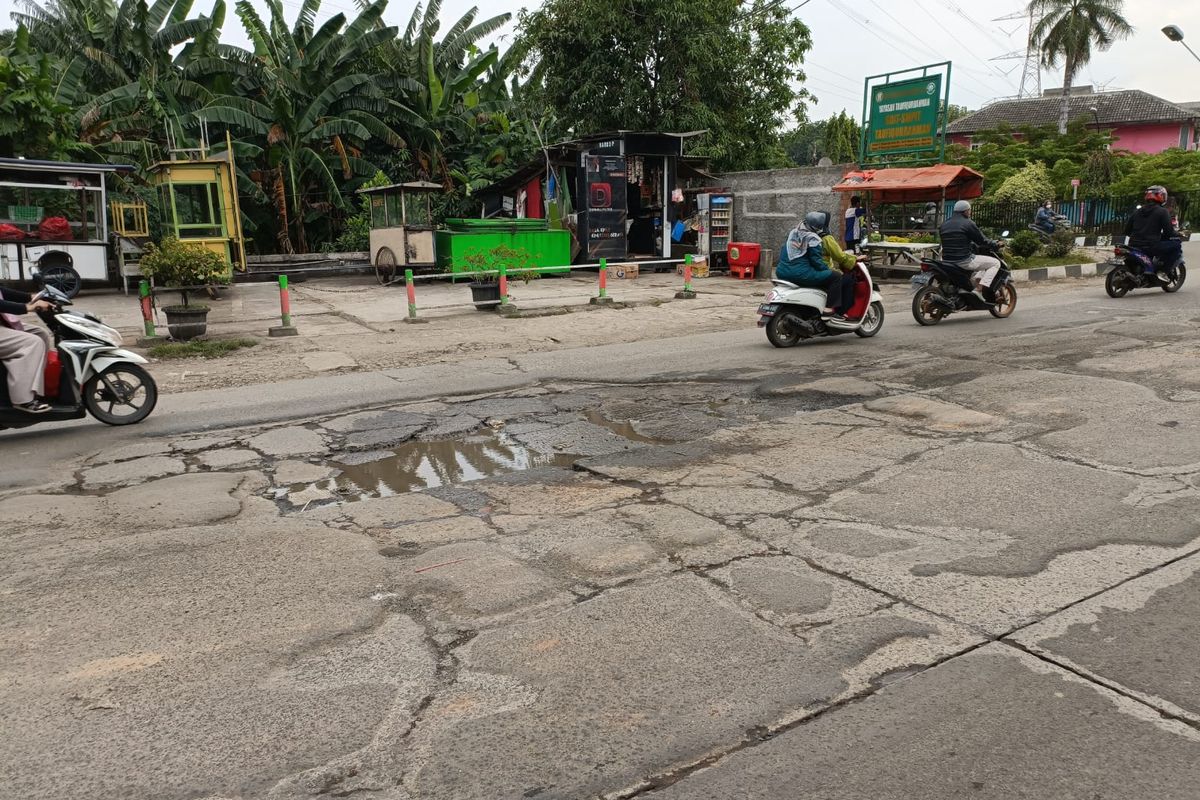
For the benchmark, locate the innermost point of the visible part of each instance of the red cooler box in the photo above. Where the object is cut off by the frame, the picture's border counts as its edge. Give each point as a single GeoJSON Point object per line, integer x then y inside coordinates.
{"type": "Point", "coordinates": [743, 258]}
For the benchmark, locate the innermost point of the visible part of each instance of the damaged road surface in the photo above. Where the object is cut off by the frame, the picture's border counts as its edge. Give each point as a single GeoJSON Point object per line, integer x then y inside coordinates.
{"type": "Point", "coordinates": [965, 564]}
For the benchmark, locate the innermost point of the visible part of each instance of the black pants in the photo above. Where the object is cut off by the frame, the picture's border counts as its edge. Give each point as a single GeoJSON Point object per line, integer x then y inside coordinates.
{"type": "Point", "coordinates": [839, 291]}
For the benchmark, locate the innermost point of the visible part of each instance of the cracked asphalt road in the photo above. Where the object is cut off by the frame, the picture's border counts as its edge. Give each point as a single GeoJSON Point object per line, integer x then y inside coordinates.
{"type": "Point", "coordinates": [950, 562]}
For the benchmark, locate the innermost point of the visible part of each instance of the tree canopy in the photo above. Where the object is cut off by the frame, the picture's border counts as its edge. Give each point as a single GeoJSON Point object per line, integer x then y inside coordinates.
{"type": "Point", "coordinates": [725, 66]}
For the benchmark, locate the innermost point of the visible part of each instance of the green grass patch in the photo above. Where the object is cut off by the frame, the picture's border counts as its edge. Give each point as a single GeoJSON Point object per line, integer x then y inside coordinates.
{"type": "Point", "coordinates": [200, 348]}
{"type": "Point", "coordinates": [1036, 262]}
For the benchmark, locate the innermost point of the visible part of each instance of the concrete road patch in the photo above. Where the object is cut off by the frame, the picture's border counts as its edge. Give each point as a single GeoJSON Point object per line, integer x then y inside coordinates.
{"type": "Point", "coordinates": [993, 725]}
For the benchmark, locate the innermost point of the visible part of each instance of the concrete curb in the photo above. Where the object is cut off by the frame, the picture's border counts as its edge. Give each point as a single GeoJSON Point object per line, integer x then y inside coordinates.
{"type": "Point", "coordinates": [1060, 272]}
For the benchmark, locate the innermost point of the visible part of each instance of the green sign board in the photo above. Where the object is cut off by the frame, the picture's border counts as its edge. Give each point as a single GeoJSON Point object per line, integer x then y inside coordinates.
{"type": "Point", "coordinates": [904, 117]}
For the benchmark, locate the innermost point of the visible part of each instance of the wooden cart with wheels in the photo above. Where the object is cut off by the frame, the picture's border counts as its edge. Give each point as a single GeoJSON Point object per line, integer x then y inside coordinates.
{"type": "Point", "coordinates": [401, 229]}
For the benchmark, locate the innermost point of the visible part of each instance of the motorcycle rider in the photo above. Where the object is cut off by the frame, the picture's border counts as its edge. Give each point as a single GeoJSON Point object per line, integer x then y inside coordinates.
{"type": "Point", "coordinates": [960, 236]}
{"type": "Point", "coordinates": [1044, 219]}
{"type": "Point", "coordinates": [835, 256]}
{"type": "Point", "coordinates": [1149, 229]}
{"type": "Point", "coordinates": [801, 262]}
{"type": "Point", "coordinates": [22, 351]}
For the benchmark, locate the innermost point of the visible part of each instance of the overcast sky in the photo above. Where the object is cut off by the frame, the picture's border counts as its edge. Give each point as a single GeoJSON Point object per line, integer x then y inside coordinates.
{"type": "Point", "coordinates": [857, 38]}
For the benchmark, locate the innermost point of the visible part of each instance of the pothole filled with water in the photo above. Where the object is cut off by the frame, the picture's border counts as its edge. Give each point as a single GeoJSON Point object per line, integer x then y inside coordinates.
{"type": "Point", "coordinates": [418, 465]}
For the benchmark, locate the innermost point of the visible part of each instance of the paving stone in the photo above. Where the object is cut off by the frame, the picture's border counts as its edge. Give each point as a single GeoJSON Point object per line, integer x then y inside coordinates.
{"type": "Point", "coordinates": [136, 470]}
{"type": "Point", "coordinates": [577, 438]}
{"type": "Point", "coordinates": [383, 437]}
{"type": "Point", "coordinates": [287, 442]}
{"type": "Point", "coordinates": [446, 427]}
{"type": "Point", "coordinates": [407, 538]}
{"type": "Point", "coordinates": [203, 443]}
{"type": "Point", "coordinates": [734, 502]}
{"type": "Point", "coordinates": [138, 450]}
{"type": "Point", "coordinates": [792, 592]}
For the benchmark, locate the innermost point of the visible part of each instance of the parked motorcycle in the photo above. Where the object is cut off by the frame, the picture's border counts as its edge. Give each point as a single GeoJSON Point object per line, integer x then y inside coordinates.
{"type": "Point", "coordinates": [86, 372]}
{"type": "Point", "coordinates": [1133, 269]}
{"type": "Point", "coordinates": [792, 313]}
{"type": "Point", "coordinates": [943, 288]}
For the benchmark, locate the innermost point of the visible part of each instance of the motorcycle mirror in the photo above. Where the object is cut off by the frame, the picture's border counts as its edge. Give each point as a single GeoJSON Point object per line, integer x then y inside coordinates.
{"type": "Point", "coordinates": [1004, 233]}
{"type": "Point", "coordinates": [36, 276]}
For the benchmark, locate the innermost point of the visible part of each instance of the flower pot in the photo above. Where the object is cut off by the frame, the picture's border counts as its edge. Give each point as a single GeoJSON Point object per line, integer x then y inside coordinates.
{"type": "Point", "coordinates": [485, 295]}
{"type": "Point", "coordinates": [186, 322]}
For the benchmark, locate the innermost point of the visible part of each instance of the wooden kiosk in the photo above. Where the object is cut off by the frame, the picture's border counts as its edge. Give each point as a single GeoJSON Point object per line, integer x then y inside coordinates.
{"type": "Point", "coordinates": [401, 228]}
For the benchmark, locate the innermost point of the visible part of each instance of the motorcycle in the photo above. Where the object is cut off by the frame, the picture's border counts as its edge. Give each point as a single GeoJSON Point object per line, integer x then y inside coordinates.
{"type": "Point", "coordinates": [792, 313]}
{"type": "Point", "coordinates": [1061, 223]}
{"type": "Point", "coordinates": [1133, 269]}
{"type": "Point", "coordinates": [943, 288]}
{"type": "Point", "coordinates": [87, 372]}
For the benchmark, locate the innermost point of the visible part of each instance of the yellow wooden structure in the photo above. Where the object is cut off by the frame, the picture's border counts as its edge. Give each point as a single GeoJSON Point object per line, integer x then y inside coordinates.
{"type": "Point", "coordinates": [198, 199]}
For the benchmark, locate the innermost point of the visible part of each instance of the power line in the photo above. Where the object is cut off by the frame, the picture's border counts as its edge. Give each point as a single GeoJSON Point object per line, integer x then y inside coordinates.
{"type": "Point", "coordinates": [953, 37]}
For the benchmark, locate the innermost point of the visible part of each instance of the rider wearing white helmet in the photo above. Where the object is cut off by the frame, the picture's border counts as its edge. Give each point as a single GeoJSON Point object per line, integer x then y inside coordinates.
{"type": "Point", "coordinates": [960, 236]}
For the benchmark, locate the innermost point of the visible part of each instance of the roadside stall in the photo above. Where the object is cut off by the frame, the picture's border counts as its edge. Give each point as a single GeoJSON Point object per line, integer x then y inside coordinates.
{"type": "Point", "coordinates": [402, 235]}
{"type": "Point", "coordinates": [198, 201]}
{"type": "Point", "coordinates": [620, 194]}
{"type": "Point", "coordinates": [53, 219]}
{"type": "Point", "coordinates": [902, 198]}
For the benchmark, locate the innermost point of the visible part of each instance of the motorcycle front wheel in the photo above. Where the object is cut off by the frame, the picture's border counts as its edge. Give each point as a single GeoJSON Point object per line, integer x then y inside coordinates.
{"type": "Point", "coordinates": [780, 334]}
{"type": "Point", "coordinates": [925, 309]}
{"type": "Point", "coordinates": [1175, 285]}
{"type": "Point", "coordinates": [872, 321]}
{"type": "Point", "coordinates": [1116, 284]}
{"type": "Point", "coordinates": [123, 394]}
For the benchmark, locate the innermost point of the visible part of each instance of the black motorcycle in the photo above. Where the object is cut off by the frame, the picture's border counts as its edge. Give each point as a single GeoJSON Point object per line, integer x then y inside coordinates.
{"type": "Point", "coordinates": [1133, 269]}
{"type": "Point", "coordinates": [943, 288]}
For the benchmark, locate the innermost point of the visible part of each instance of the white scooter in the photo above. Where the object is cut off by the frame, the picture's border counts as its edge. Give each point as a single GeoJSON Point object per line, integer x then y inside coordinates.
{"type": "Point", "coordinates": [792, 312]}
{"type": "Point", "coordinates": [86, 372]}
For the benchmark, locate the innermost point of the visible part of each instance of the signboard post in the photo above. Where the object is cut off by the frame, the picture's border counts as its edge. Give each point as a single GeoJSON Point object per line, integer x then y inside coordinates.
{"type": "Point", "coordinates": [901, 115]}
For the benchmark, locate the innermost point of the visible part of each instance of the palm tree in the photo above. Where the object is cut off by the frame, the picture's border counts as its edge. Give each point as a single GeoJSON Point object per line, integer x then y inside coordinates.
{"type": "Point", "coordinates": [1068, 29]}
{"type": "Point", "coordinates": [301, 94]}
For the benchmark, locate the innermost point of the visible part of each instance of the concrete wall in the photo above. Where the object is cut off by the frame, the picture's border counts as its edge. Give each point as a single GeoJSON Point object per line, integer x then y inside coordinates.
{"type": "Point", "coordinates": [769, 203]}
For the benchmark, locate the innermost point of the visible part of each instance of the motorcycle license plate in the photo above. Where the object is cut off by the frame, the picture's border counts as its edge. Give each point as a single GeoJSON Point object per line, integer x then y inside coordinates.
{"type": "Point", "coordinates": [768, 309]}
{"type": "Point", "coordinates": [920, 281]}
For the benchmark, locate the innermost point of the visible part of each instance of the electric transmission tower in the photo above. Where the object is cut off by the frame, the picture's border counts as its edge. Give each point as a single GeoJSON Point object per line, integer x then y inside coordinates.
{"type": "Point", "coordinates": [1031, 74]}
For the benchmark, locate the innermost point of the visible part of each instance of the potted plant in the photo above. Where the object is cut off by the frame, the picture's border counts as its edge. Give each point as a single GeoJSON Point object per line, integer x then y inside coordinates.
{"type": "Point", "coordinates": [485, 289]}
{"type": "Point", "coordinates": [184, 267]}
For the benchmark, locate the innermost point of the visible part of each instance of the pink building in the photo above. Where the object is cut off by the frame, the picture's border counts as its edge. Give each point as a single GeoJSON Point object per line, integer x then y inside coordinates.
{"type": "Point", "coordinates": [1140, 122]}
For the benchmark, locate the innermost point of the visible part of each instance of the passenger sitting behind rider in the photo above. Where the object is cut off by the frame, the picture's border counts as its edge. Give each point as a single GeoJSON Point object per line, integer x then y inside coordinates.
{"type": "Point", "coordinates": [1149, 229]}
{"type": "Point", "coordinates": [801, 262]}
{"type": "Point", "coordinates": [960, 236]}
{"type": "Point", "coordinates": [23, 352]}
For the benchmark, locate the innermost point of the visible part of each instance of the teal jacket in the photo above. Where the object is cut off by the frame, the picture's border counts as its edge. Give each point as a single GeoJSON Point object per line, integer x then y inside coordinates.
{"type": "Point", "coordinates": [800, 259]}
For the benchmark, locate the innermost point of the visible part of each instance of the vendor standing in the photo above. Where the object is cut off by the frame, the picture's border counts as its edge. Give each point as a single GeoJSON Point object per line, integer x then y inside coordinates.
{"type": "Point", "coordinates": [23, 351]}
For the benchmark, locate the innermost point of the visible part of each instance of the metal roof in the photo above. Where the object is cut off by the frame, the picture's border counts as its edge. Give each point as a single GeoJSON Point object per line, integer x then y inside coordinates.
{"type": "Point", "coordinates": [1112, 108]}
{"type": "Point", "coordinates": [419, 186]}
{"type": "Point", "coordinates": [36, 165]}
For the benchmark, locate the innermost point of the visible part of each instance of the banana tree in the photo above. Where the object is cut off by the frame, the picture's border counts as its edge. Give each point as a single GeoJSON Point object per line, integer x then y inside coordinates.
{"type": "Point", "coordinates": [299, 94]}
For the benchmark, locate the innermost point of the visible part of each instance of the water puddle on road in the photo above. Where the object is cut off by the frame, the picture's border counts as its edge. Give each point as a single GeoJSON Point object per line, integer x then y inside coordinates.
{"type": "Point", "coordinates": [623, 429]}
{"type": "Point", "coordinates": [420, 465]}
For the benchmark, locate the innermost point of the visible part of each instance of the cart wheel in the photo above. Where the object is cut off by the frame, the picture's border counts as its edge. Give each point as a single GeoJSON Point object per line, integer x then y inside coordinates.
{"type": "Point", "coordinates": [385, 266]}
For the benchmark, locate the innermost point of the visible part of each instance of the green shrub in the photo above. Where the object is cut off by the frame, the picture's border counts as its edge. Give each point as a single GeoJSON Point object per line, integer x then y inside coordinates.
{"type": "Point", "coordinates": [183, 265]}
{"type": "Point", "coordinates": [518, 263]}
{"type": "Point", "coordinates": [1024, 244]}
{"type": "Point", "coordinates": [1061, 242]}
{"type": "Point", "coordinates": [1028, 185]}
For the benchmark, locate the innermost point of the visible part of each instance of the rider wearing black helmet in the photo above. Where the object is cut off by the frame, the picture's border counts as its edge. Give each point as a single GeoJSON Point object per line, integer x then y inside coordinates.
{"type": "Point", "coordinates": [1150, 230]}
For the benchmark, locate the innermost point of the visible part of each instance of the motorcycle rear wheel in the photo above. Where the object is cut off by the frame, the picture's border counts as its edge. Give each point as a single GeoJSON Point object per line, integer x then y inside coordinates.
{"type": "Point", "coordinates": [1006, 301]}
{"type": "Point", "coordinates": [1115, 284]}
{"type": "Point", "coordinates": [1177, 284]}
{"type": "Point", "coordinates": [780, 334]}
{"type": "Point", "coordinates": [126, 385]}
{"type": "Point", "coordinates": [925, 310]}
